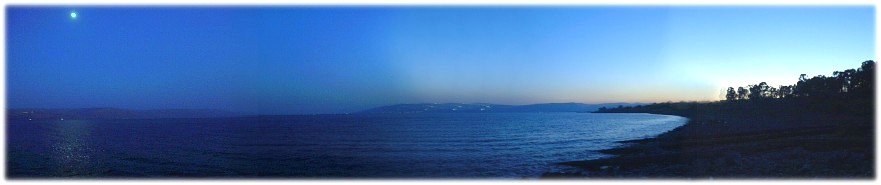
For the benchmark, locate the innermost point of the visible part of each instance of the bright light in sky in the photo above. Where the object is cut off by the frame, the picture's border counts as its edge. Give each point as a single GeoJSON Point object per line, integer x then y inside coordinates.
{"type": "Point", "coordinates": [293, 60]}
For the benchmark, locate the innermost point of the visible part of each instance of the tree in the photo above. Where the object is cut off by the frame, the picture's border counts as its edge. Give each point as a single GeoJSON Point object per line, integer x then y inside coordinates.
{"type": "Point", "coordinates": [731, 95]}
{"type": "Point", "coordinates": [863, 80]}
{"type": "Point", "coordinates": [765, 90]}
{"type": "Point", "coordinates": [742, 93]}
{"type": "Point", "coordinates": [845, 78]}
{"type": "Point", "coordinates": [785, 91]}
{"type": "Point", "coordinates": [759, 91]}
{"type": "Point", "coordinates": [773, 93]}
{"type": "Point", "coordinates": [847, 83]}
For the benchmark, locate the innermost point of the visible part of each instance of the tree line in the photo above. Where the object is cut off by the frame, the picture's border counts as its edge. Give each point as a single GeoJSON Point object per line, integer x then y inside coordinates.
{"type": "Point", "coordinates": [854, 83]}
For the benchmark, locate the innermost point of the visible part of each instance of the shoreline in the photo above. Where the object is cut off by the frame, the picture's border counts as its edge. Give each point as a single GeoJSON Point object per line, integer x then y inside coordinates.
{"type": "Point", "coordinates": [740, 145]}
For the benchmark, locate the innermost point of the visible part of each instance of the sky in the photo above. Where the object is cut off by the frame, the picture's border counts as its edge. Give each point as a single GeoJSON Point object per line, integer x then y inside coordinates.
{"type": "Point", "coordinates": [340, 59]}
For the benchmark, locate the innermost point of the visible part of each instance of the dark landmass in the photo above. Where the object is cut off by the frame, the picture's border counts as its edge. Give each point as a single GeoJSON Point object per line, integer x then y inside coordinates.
{"type": "Point", "coordinates": [485, 108]}
{"type": "Point", "coordinates": [112, 113]}
{"type": "Point", "coordinates": [823, 127]}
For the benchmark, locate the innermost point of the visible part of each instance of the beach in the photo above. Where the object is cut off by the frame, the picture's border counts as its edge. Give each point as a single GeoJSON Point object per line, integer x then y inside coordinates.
{"type": "Point", "coordinates": [793, 139]}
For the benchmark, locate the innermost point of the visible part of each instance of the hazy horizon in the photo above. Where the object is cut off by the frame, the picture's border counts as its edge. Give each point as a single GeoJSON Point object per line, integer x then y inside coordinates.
{"type": "Point", "coordinates": [339, 59]}
{"type": "Point", "coordinates": [368, 108]}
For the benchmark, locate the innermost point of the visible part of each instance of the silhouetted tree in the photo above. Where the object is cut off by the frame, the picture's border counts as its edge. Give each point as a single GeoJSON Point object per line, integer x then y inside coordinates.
{"type": "Point", "coordinates": [765, 90]}
{"type": "Point", "coordinates": [801, 88]}
{"type": "Point", "coordinates": [772, 93]}
{"type": "Point", "coordinates": [863, 80]}
{"type": "Point", "coordinates": [742, 93]}
{"type": "Point", "coordinates": [730, 94]}
{"type": "Point", "coordinates": [845, 78]}
{"type": "Point", "coordinates": [851, 82]}
{"type": "Point", "coordinates": [759, 91]}
{"type": "Point", "coordinates": [785, 91]}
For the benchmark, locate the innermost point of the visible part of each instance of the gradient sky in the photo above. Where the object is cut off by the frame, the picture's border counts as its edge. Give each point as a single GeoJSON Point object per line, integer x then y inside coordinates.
{"type": "Point", "coordinates": [326, 59]}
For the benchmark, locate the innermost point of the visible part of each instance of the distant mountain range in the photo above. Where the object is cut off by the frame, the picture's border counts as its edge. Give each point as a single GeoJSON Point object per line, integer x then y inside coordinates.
{"type": "Point", "coordinates": [118, 113]}
{"type": "Point", "coordinates": [112, 113]}
{"type": "Point", "coordinates": [485, 107]}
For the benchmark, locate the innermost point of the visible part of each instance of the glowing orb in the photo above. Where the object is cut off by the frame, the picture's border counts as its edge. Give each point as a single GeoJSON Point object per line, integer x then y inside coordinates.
{"type": "Point", "coordinates": [73, 15]}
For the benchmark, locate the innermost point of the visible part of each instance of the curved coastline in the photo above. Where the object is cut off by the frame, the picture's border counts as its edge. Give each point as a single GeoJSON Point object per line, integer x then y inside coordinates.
{"type": "Point", "coordinates": [740, 144]}
{"type": "Point", "coordinates": [621, 156]}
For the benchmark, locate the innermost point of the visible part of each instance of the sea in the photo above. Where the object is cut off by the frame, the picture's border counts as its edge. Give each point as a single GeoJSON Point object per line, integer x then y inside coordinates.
{"type": "Point", "coordinates": [359, 146]}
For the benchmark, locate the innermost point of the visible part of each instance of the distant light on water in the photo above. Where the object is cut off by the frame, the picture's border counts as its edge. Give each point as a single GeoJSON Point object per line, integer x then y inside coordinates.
{"type": "Point", "coordinates": [447, 145]}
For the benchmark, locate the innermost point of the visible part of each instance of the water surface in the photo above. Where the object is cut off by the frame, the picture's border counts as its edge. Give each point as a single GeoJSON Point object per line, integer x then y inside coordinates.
{"type": "Point", "coordinates": [506, 145]}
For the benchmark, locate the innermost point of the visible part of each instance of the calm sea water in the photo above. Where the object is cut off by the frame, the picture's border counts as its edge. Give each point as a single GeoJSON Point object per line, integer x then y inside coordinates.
{"type": "Point", "coordinates": [494, 145]}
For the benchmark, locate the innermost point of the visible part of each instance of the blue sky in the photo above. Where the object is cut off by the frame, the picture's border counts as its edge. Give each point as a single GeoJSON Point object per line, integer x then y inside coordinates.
{"type": "Point", "coordinates": [337, 59]}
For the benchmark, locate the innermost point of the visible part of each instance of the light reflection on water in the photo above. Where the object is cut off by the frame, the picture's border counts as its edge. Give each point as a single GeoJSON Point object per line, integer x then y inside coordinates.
{"type": "Point", "coordinates": [384, 146]}
{"type": "Point", "coordinates": [72, 149]}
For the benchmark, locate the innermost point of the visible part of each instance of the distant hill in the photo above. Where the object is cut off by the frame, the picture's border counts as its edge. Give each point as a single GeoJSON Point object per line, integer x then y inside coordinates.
{"type": "Point", "coordinates": [112, 113]}
{"type": "Point", "coordinates": [485, 107]}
